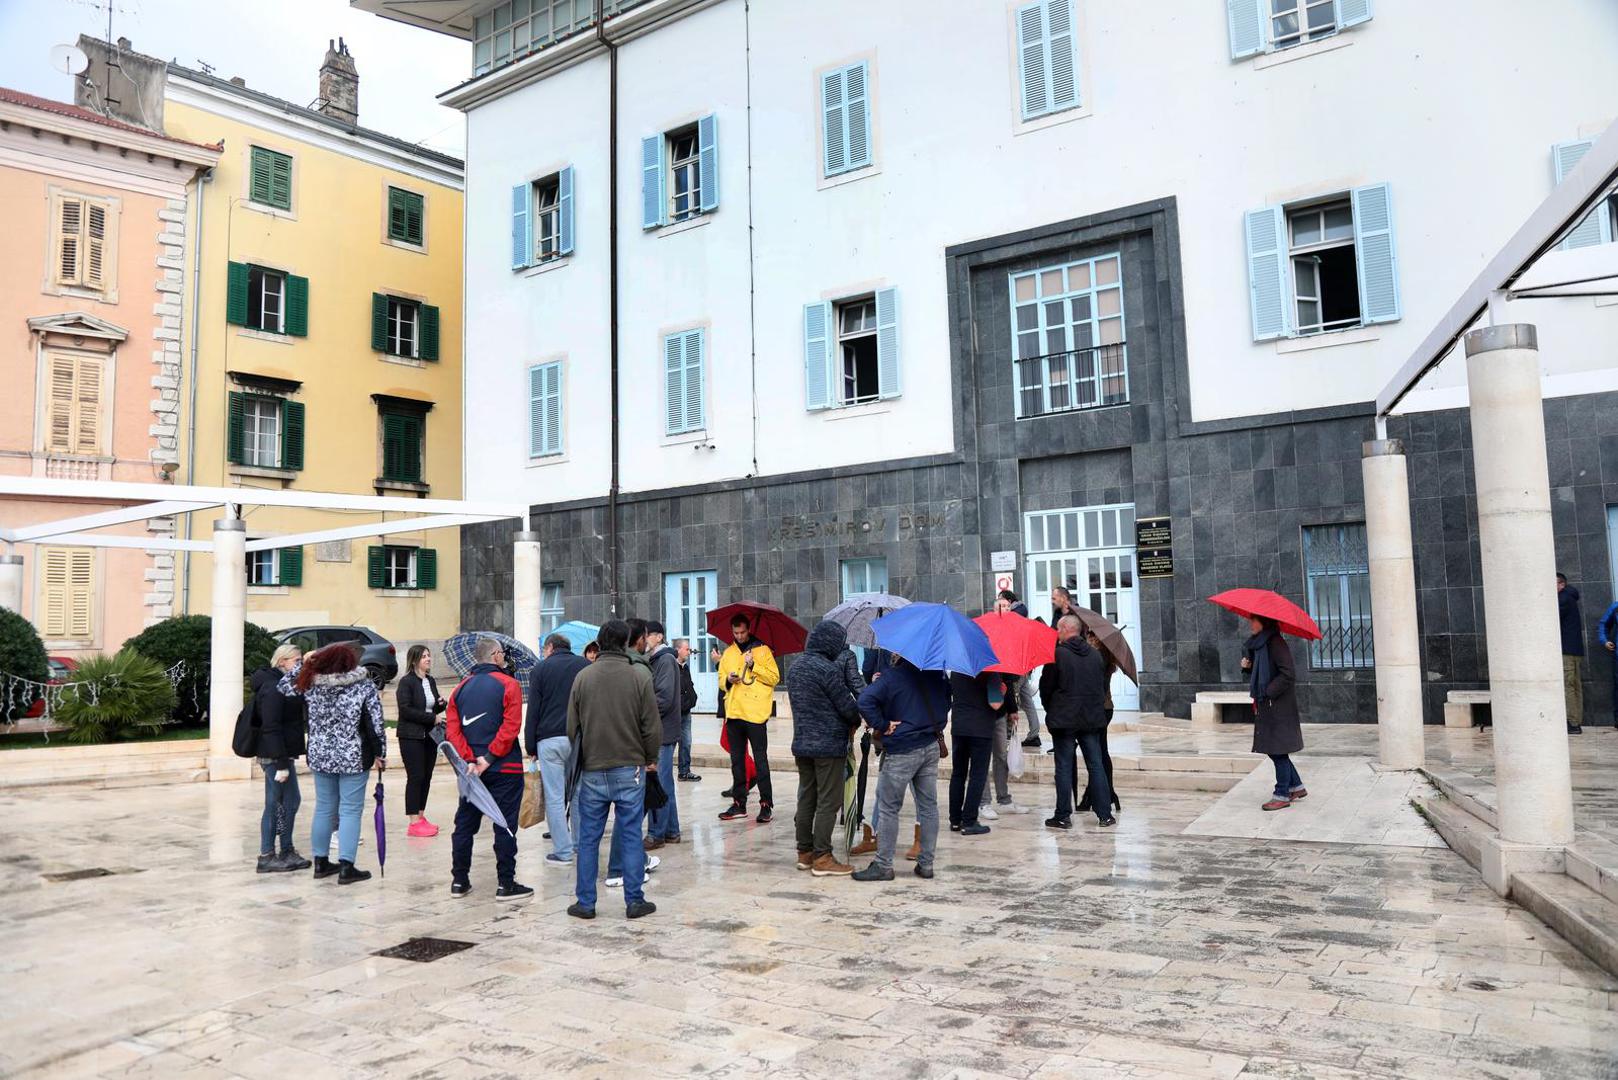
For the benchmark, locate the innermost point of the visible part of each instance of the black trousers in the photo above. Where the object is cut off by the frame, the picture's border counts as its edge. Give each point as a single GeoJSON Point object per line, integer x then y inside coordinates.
{"type": "Point", "coordinates": [507, 791]}
{"type": "Point", "coordinates": [1106, 761]}
{"type": "Point", "coordinates": [742, 735]}
{"type": "Point", "coordinates": [420, 755]}
{"type": "Point", "coordinates": [968, 776]}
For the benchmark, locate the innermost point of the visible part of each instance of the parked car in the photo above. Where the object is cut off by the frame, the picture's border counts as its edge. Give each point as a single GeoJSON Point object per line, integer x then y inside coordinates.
{"type": "Point", "coordinates": [61, 668]}
{"type": "Point", "coordinates": [377, 654]}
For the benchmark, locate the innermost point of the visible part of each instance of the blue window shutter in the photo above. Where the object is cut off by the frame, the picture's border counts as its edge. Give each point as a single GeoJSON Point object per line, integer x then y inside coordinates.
{"type": "Point", "coordinates": [1062, 50]}
{"type": "Point", "coordinates": [1353, 12]}
{"type": "Point", "coordinates": [696, 342]}
{"type": "Point", "coordinates": [817, 365]}
{"type": "Point", "coordinates": [522, 243]}
{"type": "Point", "coordinates": [553, 408]}
{"type": "Point", "coordinates": [652, 203]}
{"type": "Point", "coordinates": [1374, 253]}
{"type": "Point", "coordinates": [564, 210]}
{"type": "Point", "coordinates": [1267, 272]}
{"type": "Point", "coordinates": [674, 384]}
{"type": "Point", "coordinates": [857, 115]}
{"type": "Point", "coordinates": [1246, 21]}
{"type": "Point", "coordinates": [1595, 228]}
{"type": "Point", "coordinates": [1036, 98]}
{"type": "Point", "coordinates": [545, 409]}
{"type": "Point", "coordinates": [887, 342]}
{"type": "Point", "coordinates": [833, 125]}
{"type": "Point", "coordinates": [536, 410]}
{"type": "Point", "coordinates": [708, 160]}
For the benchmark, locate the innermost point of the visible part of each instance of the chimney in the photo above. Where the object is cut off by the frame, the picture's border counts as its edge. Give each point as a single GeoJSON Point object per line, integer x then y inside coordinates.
{"type": "Point", "coordinates": [339, 85]}
{"type": "Point", "coordinates": [121, 83]}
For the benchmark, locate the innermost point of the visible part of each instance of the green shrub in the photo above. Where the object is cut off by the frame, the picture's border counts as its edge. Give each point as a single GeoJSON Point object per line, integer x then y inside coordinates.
{"type": "Point", "coordinates": [116, 698]}
{"type": "Point", "coordinates": [22, 657]}
{"type": "Point", "coordinates": [186, 638]}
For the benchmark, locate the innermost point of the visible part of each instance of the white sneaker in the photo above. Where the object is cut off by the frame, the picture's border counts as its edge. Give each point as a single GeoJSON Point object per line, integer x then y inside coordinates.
{"type": "Point", "coordinates": [618, 882]}
{"type": "Point", "coordinates": [987, 813]}
{"type": "Point", "coordinates": [652, 863]}
{"type": "Point", "coordinates": [1012, 808]}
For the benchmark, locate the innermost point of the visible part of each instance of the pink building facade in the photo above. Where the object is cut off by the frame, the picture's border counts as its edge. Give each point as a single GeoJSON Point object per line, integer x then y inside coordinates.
{"type": "Point", "coordinates": [92, 351]}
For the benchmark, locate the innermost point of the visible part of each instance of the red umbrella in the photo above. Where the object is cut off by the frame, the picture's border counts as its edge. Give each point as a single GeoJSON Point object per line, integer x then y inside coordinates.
{"type": "Point", "coordinates": [1020, 643]}
{"type": "Point", "coordinates": [774, 627]}
{"type": "Point", "coordinates": [1264, 604]}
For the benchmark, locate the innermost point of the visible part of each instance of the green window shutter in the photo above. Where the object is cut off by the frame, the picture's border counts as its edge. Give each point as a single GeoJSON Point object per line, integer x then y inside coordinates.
{"type": "Point", "coordinates": [235, 428]}
{"type": "Point", "coordinates": [404, 216]}
{"type": "Point", "coordinates": [379, 322]}
{"type": "Point", "coordinates": [297, 306]}
{"type": "Point", "coordinates": [280, 181]}
{"type": "Point", "coordinates": [291, 434]}
{"type": "Point", "coordinates": [401, 447]}
{"type": "Point", "coordinates": [236, 294]}
{"type": "Point", "coordinates": [428, 327]}
{"type": "Point", "coordinates": [258, 188]}
{"type": "Point", "coordinates": [373, 567]}
{"type": "Point", "coordinates": [426, 568]}
{"type": "Point", "coordinates": [291, 560]}
{"type": "Point", "coordinates": [392, 445]}
{"type": "Point", "coordinates": [396, 214]}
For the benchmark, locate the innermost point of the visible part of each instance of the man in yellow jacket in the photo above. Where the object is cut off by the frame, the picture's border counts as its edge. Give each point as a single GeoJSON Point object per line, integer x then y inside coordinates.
{"type": "Point", "coordinates": [747, 677]}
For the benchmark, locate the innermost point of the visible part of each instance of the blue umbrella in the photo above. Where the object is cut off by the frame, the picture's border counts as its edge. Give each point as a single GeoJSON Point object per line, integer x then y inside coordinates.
{"type": "Point", "coordinates": [859, 611]}
{"type": "Point", "coordinates": [578, 632]}
{"type": "Point", "coordinates": [935, 637]}
{"type": "Point", "coordinates": [457, 652]}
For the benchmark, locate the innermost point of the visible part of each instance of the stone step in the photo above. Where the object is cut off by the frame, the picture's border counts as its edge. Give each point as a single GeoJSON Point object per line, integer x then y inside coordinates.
{"type": "Point", "coordinates": [1593, 862]}
{"type": "Point", "coordinates": [1473, 795]}
{"type": "Point", "coordinates": [1462, 830]}
{"type": "Point", "coordinates": [116, 765]}
{"type": "Point", "coordinates": [1586, 918]}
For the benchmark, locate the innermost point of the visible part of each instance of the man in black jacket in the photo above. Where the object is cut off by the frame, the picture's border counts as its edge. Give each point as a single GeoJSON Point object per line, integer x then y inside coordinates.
{"type": "Point", "coordinates": [1074, 691]}
{"type": "Point", "coordinates": [665, 821]}
{"type": "Point", "coordinates": [1572, 624]}
{"type": "Point", "coordinates": [688, 705]}
{"type": "Point", "coordinates": [545, 736]}
{"type": "Point", "coordinates": [824, 713]}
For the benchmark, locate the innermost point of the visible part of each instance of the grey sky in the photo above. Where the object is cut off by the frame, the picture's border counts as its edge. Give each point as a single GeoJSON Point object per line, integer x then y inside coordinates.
{"type": "Point", "coordinates": [276, 45]}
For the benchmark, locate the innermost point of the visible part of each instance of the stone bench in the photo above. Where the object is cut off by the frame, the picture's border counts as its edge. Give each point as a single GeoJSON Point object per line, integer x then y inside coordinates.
{"type": "Point", "coordinates": [1207, 708]}
{"type": "Point", "coordinates": [1460, 705]}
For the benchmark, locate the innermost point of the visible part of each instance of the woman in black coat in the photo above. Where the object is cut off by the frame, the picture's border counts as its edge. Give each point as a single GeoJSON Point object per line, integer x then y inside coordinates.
{"type": "Point", "coordinates": [1277, 732]}
{"type": "Point", "coordinates": [280, 740]}
{"type": "Point", "coordinates": [419, 705]}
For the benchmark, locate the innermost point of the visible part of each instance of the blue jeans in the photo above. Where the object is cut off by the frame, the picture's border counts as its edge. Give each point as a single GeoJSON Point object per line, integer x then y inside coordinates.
{"type": "Point", "coordinates": [1287, 779]}
{"type": "Point", "coordinates": [553, 755]}
{"type": "Point", "coordinates": [1069, 744]}
{"type": "Point", "coordinates": [339, 798]}
{"type": "Point", "coordinates": [281, 802]}
{"type": "Point", "coordinates": [623, 791]}
{"type": "Point", "coordinates": [666, 822]}
{"type": "Point", "coordinates": [507, 791]}
{"type": "Point", "coordinates": [685, 744]}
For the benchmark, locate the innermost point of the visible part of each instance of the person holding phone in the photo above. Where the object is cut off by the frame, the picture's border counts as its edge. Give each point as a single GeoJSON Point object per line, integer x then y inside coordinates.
{"type": "Point", "coordinates": [748, 675]}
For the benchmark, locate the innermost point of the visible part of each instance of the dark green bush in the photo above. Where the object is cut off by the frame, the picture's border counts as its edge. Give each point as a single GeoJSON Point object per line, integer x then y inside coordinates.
{"type": "Point", "coordinates": [22, 657]}
{"type": "Point", "coordinates": [115, 698]}
{"type": "Point", "coordinates": [187, 638]}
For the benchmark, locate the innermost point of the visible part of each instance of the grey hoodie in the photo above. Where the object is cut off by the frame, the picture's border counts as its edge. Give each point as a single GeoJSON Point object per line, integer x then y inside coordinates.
{"type": "Point", "coordinates": [666, 686]}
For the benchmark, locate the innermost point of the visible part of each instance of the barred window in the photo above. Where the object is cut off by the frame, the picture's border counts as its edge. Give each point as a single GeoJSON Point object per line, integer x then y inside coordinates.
{"type": "Point", "coordinates": [1337, 581]}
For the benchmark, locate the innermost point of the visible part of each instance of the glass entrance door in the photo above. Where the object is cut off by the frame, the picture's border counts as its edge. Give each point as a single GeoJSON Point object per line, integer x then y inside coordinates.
{"type": "Point", "coordinates": [687, 599]}
{"type": "Point", "coordinates": [1090, 551]}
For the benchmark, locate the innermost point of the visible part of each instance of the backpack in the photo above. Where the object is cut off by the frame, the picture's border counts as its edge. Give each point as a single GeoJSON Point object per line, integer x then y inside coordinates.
{"type": "Point", "coordinates": [245, 739]}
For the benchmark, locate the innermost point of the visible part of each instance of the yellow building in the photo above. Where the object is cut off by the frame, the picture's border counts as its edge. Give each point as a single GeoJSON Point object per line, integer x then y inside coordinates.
{"type": "Point", "coordinates": [324, 337]}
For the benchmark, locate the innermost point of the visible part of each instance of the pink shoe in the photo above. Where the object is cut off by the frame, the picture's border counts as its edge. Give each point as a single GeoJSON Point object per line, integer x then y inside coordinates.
{"type": "Point", "coordinates": [422, 828]}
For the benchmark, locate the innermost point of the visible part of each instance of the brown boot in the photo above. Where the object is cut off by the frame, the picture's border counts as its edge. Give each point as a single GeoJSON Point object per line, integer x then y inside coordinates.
{"type": "Point", "coordinates": [866, 845]}
{"type": "Point", "coordinates": [828, 866]}
{"type": "Point", "coordinates": [806, 859]}
{"type": "Point", "coordinates": [915, 849]}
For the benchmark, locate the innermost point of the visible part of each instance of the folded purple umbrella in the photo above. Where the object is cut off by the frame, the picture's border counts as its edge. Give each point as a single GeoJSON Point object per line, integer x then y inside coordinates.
{"type": "Point", "coordinates": [381, 831]}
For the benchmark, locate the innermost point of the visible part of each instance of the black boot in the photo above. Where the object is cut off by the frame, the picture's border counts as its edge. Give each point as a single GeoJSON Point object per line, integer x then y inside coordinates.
{"type": "Point", "coordinates": [324, 867]}
{"type": "Point", "coordinates": [347, 875]}
{"type": "Point", "coordinates": [291, 860]}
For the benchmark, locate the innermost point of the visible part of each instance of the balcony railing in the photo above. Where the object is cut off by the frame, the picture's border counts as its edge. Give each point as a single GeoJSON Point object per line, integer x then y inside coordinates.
{"type": "Point", "coordinates": [1094, 378]}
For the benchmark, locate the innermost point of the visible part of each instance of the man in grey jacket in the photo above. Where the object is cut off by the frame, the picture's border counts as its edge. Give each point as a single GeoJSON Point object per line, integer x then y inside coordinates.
{"type": "Point", "coordinates": [665, 827]}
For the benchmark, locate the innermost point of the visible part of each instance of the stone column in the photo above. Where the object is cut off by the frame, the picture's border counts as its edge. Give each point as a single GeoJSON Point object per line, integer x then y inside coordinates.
{"type": "Point", "coordinates": [1533, 788]}
{"type": "Point", "coordinates": [525, 589]}
{"type": "Point", "coordinates": [11, 583]}
{"type": "Point", "coordinates": [1399, 735]}
{"type": "Point", "coordinates": [225, 655]}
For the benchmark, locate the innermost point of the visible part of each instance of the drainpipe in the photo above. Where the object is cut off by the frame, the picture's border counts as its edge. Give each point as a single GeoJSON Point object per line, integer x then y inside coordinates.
{"type": "Point", "coordinates": [752, 261]}
{"type": "Point", "coordinates": [191, 423]}
{"type": "Point", "coordinates": [612, 292]}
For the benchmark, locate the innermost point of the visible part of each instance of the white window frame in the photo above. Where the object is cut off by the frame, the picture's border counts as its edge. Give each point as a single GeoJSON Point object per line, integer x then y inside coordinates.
{"type": "Point", "coordinates": [258, 561]}
{"type": "Point", "coordinates": [1301, 10]}
{"type": "Point", "coordinates": [849, 569]}
{"type": "Point", "coordinates": [262, 417]}
{"type": "Point", "coordinates": [547, 215]}
{"type": "Point", "coordinates": [690, 165]}
{"type": "Point", "coordinates": [1059, 368]}
{"type": "Point", "coordinates": [1308, 253]}
{"type": "Point", "coordinates": [396, 576]}
{"type": "Point", "coordinates": [844, 360]}
{"type": "Point", "coordinates": [551, 612]}
{"type": "Point", "coordinates": [515, 29]}
{"type": "Point", "coordinates": [397, 310]}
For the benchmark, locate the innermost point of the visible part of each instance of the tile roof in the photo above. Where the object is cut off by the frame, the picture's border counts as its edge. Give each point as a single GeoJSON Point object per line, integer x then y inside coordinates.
{"type": "Point", "coordinates": [78, 112]}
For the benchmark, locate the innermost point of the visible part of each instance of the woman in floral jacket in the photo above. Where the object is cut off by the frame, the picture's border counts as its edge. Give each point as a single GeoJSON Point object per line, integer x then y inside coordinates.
{"type": "Point", "coordinates": [345, 739]}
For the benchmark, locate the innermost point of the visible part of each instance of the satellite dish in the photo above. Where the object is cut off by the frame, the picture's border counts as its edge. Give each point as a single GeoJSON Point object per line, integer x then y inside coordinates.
{"type": "Point", "coordinates": [69, 59]}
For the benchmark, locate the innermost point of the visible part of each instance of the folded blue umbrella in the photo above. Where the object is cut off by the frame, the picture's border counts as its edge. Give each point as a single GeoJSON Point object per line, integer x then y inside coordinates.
{"type": "Point", "coordinates": [935, 637]}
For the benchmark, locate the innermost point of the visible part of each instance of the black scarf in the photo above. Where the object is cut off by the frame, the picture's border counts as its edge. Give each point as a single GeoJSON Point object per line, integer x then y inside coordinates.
{"type": "Point", "coordinates": [1258, 650]}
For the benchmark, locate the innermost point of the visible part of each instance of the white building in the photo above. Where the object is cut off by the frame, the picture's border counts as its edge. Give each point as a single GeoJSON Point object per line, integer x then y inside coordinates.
{"type": "Point", "coordinates": [902, 285]}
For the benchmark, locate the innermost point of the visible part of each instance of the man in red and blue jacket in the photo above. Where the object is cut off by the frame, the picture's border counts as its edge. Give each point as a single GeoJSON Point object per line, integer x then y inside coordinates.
{"type": "Point", "coordinates": [484, 721]}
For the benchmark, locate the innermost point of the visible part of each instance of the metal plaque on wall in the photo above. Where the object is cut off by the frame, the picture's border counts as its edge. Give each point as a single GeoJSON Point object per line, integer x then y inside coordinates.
{"type": "Point", "coordinates": [1153, 533]}
{"type": "Point", "coordinates": [1156, 563]}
